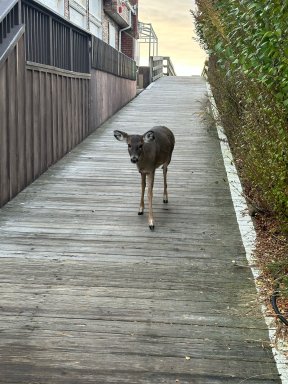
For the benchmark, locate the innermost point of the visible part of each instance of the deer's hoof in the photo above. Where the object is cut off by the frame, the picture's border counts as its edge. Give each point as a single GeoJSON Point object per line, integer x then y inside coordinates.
{"type": "Point", "coordinates": [140, 213]}
{"type": "Point", "coordinates": [151, 227]}
{"type": "Point", "coordinates": [165, 201]}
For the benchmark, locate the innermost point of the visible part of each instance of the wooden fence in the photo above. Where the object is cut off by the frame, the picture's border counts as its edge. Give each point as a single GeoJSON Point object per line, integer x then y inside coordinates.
{"type": "Point", "coordinates": [57, 115]}
{"type": "Point", "coordinates": [50, 98]}
{"type": "Point", "coordinates": [108, 59]}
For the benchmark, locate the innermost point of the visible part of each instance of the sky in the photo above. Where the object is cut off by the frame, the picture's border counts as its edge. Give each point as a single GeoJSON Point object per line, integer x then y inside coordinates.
{"type": "Point", "coordinates": [174, 27]}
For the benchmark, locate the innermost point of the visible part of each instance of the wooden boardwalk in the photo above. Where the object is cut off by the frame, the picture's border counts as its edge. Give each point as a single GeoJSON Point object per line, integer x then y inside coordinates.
{"type": "Point", "coordinates": [88, 294]}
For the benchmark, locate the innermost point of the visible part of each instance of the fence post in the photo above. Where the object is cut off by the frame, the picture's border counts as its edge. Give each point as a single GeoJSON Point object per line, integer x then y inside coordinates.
{"type": "Point", "coordinates": [151, 69]}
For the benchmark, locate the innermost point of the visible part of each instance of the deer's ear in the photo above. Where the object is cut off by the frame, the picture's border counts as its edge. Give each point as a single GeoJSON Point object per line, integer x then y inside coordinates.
{"type": "Point", "coordinates": [148, 137]}
{"type": "Point", "coordinates": [119, 135]}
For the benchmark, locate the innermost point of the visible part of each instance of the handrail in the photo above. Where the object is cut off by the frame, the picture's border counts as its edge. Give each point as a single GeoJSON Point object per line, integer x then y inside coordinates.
{"type": "Point", "coordinates": [5, 7]}
{"type": "Point", "coordinates": [170, 71]}
{"type": "Point", "coordinates": [10, 26]}
{"type": "Point", "coordinates": [161, 66]}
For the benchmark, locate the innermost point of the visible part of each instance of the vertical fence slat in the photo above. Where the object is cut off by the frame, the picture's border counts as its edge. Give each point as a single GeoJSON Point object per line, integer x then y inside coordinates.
{"type": "Point", "coordinates": [71, 133]}
{"type": "Point", "coordinates": [54, 117]}
{"type": "Point", "coordinates": [36, 124]}
{"type": "Point", "coordinates": [4, 138]}
{"type": "Point", "coordinates": [21, 142]}
{"type": "Point", "coordinates": [49, 120]}
{"type": "Point", "coordinates": [29, 126]}
{"type": "Point", "coordinates": [12, 122]}
{"type": "Point", "coordinates": [42, 126]}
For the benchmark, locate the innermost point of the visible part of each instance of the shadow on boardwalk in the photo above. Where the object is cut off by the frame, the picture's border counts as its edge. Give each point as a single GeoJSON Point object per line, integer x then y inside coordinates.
{"type": "Point", "coordinates": [88, 294]}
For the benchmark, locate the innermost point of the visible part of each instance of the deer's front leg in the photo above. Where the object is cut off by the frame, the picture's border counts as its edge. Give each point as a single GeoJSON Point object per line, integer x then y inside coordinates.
{"type": "Point", "coordinates": [143, 186]}
{"type": "Point", "coordinates": [150, 197]}
{"type": "Point", "coordinates": [165, 194]}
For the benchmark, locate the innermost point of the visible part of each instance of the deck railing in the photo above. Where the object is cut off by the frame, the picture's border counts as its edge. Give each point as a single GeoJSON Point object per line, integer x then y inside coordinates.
{"type": "Point", "coordinates": [168, 68]}
{"type": "Point", "coordinates": [9, 17]}
{"type": "Point", "coordinates": [161, 66]}
{"type": "Point", "coordinates": [108, 59]}
{"type": "Point", "coordinates": [10, 26]}
{"type": "Point", "coordinates": [52, 41]}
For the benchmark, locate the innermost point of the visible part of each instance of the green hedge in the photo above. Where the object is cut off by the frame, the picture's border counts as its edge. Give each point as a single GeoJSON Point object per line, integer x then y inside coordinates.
{"type": "Point", "coordinates": [248, 70]}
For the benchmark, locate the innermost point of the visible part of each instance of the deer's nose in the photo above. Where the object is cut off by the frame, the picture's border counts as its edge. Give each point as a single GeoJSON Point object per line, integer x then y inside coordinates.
{"type": "Point", "coordinates": [134, 159]}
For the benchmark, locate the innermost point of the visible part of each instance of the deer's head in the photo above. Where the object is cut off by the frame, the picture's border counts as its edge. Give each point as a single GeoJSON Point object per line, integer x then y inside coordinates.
{"type": "Point", "coordinates": [135, 143]}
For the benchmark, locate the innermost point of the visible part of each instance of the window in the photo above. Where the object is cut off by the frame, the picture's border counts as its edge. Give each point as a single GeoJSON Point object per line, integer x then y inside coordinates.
{"type": "Point", "coordinates": [112, 35]}
{"type": "Point", "coordinates": [56, 5]}
{"type": "Point", "coordinates": [81, 2]}
{"type": "Point", "coordinates": [95, 30]}
{"type": "Point", "coordinates": [77, 18]}
{"type": "Point", "coordinates": [95, 8]}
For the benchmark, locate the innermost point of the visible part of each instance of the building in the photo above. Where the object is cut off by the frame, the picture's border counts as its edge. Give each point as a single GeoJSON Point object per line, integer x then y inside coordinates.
{"type": "Point", "coordinates": [113, 21]}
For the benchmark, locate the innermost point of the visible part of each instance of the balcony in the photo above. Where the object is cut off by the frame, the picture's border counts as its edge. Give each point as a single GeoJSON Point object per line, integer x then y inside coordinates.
{"type": "Point", "coordinates": [118, 11]}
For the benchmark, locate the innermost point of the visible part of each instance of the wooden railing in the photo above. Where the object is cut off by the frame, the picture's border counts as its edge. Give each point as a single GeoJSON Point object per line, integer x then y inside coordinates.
{"type": "Point", "coordinates": [161, 66]}
{"type": "Point", "coordinates": [168, 68]}
{"type": "Point", "coordinates": [9, 17]}
{"type": "Point", "coordinates": [52, 41]}
{"type": "Point", "coordinates": [10, 26]}
{"type": "Point", "coordinates": [108, 59]}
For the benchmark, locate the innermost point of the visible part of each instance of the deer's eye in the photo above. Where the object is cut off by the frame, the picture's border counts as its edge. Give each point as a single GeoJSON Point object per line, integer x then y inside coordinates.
{"type": "Point", "coordinates": [129, 145]}
{"type": "Point", "coordinates": [140, 146]}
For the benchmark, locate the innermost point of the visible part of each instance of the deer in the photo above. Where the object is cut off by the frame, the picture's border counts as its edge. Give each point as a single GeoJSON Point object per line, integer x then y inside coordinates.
{"type": "Point", "coordinates": [148, 152]}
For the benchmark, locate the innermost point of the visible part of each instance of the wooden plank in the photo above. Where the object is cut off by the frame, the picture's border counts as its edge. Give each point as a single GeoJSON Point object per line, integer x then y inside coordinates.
{"type": "Point", "coordinates": [58, 96]}
{"type": "Point", "coordinates": [21, 129]}
{"type": "Point", "coordinates": [42, 121]}
{"type": "Point", "coordinates": [49, 117]}
{"type": "Point", "coordinates": [57, 71]}
{"type": "Point", "coordinates": [63, 108]}
{"type": "Point", "coordinates": [68, 107]}
{"type": "Point", "coordinates": [89, 294]}
{"type": "Point", "coordinates": [4, 139]}
{"type": "Point", "coordinates": [36, 124]}
{"type": "Point", "coordinates": [12, 122]}
{"type": "Point", "coordinates": [72, 112]}
{"type": "Point", "coordinates": [86, 106]}
{"type": "Point", "coordinates": [78, 115]}
{"type": "Point", "coordinates": [54, 120]}
{"type": "Point", "coordinates": [29, 161]}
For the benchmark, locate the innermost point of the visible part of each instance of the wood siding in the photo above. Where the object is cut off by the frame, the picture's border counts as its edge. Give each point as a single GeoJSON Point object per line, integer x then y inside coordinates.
{"type": "Point", "coordinates": [57, 115]}
{"type": "Point", "coordinates": [109, 93]}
